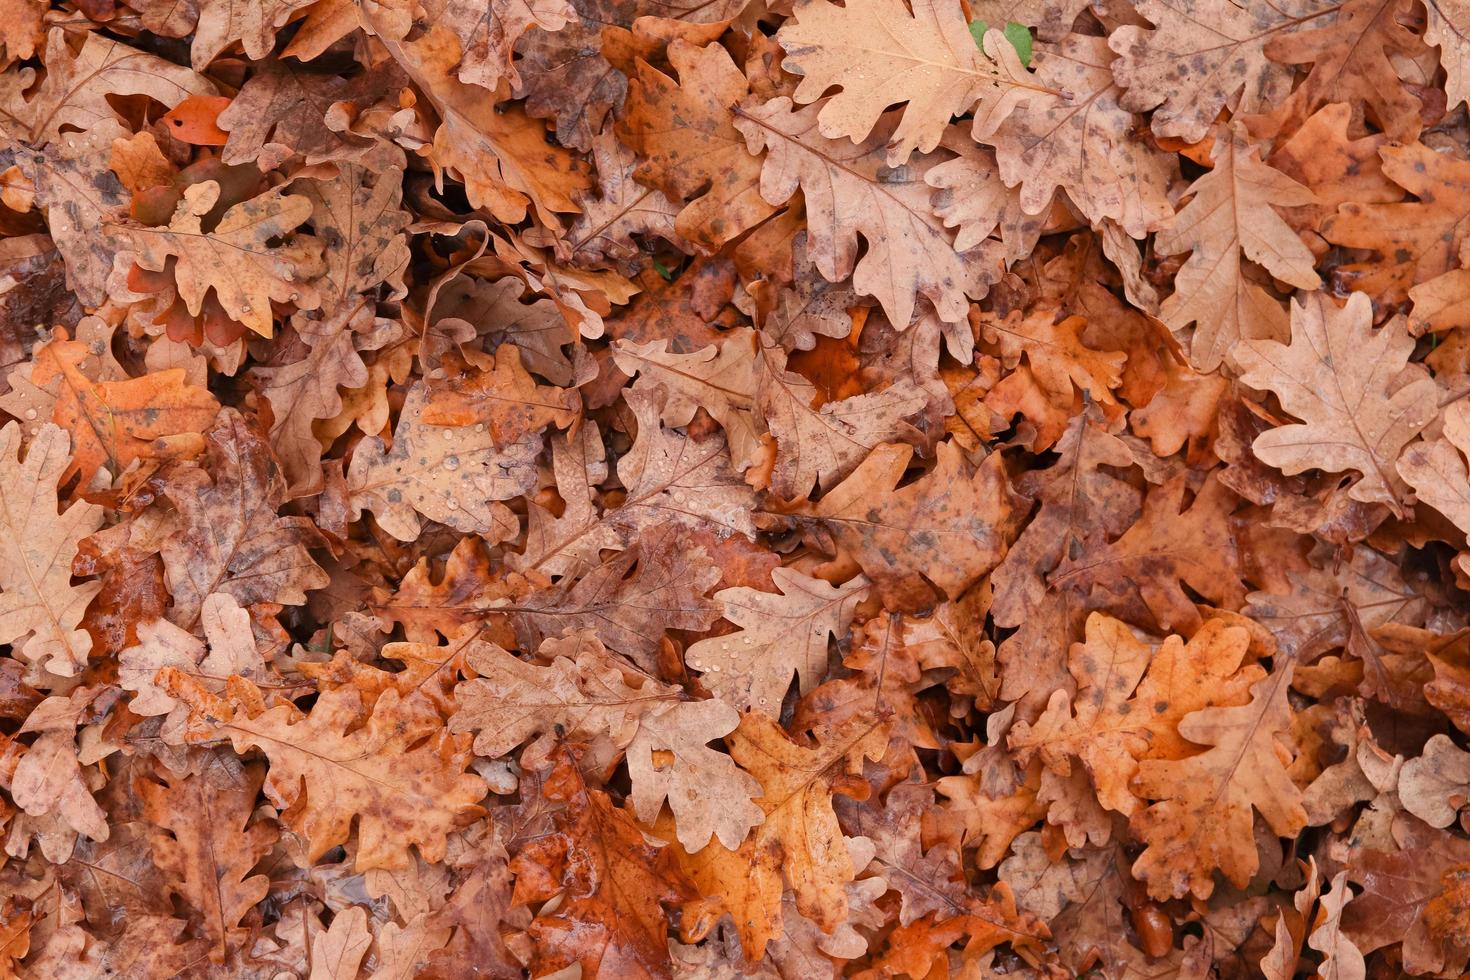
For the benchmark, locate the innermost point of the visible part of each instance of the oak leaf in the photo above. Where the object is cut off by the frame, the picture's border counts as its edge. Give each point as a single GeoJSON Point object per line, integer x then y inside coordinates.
{"type": "Point", "coordinates": [779, 635]}
{"type": "Point", "coordinates": [685, 133]}
{"type": "Point", "coordinates": [614, 885]}
{"type": "Point", "coordinates": [883, 54]}
{"type": "Point", "coordinates": [402, 784]}
{"type": "Point", "coordinates": [74, 93]}
{"type": "Point", "coordinates": [1203, 818]}
{"type": "Point", "coordinates": [1130, 701]}
{"type": "Point", "coordinates": [235, 259]}
{"type": "Point", "coordinates": [157, 416]}
{"type": "Point", "coordinates": [1229, 219]}
{"type": "Point", "coordinates": [205, 839]}
{"type": "Point", "coordinates": [850, 192]}
{"type": "Point", "coordinates": [630, 600]}
{"type": "Point", "coordinates": [584, 693]}
{"type": "Point", "coordinates": [1202, 57]}
{"type": "Point", "coordinates": [231, 538]}
{"type": "Point", "coordinates": [948, 528]}
{"type": "Point", "coordinates": [450, 474]}
{"type": "Point", "coordinates": [1170, 546]}
{"type": "Point", "coordinates": [1359, 401]}
{"type": "Point", "coordinates": [40, 609]}
{"type": "Point", "coordinates": [1076, 137]}
{"type": "Point", "coordinates": [800, 839]}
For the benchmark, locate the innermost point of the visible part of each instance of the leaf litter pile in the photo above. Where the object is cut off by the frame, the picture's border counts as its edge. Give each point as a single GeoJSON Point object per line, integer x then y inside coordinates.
{"type": "Point", "coordinates": [605, 488]}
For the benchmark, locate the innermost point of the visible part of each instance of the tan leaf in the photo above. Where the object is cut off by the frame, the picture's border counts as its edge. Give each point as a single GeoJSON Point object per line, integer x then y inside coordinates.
{"type": "Point", "coordinates": [850, 191]}
{"type": "Point", "coordinates": [948, 528]}
{"type": "Point", "coordinates": [685, 132]}
{"type": "Point", "coordinates": [780, 635]}
{"type": "Point", "coordinates": [74, 93]}
{"type": "Point", "coordinates": [205, 840]}
{"type": "Point", "coordinates": [39, 607]}
{"type": "Point", "coordinates": [1229, 219]}
{"type": "Point", "coordinates": [1436, 785]}
{"type": "Point", "coordinates": [488, 30]}
{"type": "Point", "coordinates": [231, 539]}
{"type": "Point", "coordinates": [235, 259]}
{"type": "Point", "coordinates": [1079, 138]}
{"type": "Point", "coordinates": [403, 784]}
{"type": "Point", "coordinates": [585, 693]}
{"type": "Point", "coordinates": [1200, 58]}
{"type": "Point", "coordinates": [800, 834]}
{"type": "Point", "coordinates": [1203, 820]}
{"type": "Point", "coordinates": [1359, 402]}
{"type": "Point", "coordinates": [1130, 700]}
{"type": "Point", "coordinates": [882, 54]}
{"type": "Point", "coordinates": [453, 475]}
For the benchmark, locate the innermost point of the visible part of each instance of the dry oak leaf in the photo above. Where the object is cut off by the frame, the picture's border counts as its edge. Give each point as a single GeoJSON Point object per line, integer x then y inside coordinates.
{"type": "Point", "coordinates": [1359, 400]}
{"type": "Point", "coordinates": [584, 693]}
{"type": "Point", "coordinates": [337, 953]}
{"type": "Point", "coordinates": [745, 386]}
{"type": "Point", "coordinates": [236, 258]}
{"type": "Point", "coordinates": [499, 152]}
{"type": "Point", "coordinates": [613, 883]}
{"type": "Point", "coordinates": [850, 192]}
{"type": "Point", "coordinates": [1130, 701]}
{"type": "Point", "coordinates": [1341, 959]}
{"type": "Point", "coordinates": [630, 600]}
{"type": "Point", "coordinates": [1059, 366]}
{"type": "Point", "coordinates": [800, 838]}
{"type": "Point", "coordinates": [948, 528]}
{"type": "Point", "coordinates": [1201, 57]}
{"type": "Point", "coordinates": [780, 635]}
{"type": "Point", "coordinates": [401, 777]}
{"type": "Point", "coordinates": [217, 24]}
{"type": "Point", "coordinates": [1398, 885]}
{"type": "Point", "coordinates": [231, 539]}
{"type": "Point", "coordinates": [1352, 49]}
{"type": "Point", "coordinates": [488, 31]}
{"type": "Point", "coordinates": [881, 54]}
{"type": "Point", "coordinates": [204, 841]}
{"type": "Point", "coordinates": [279, 112]}
{"type": "Point", "coordinates": [357, 215]}
{"type": "Point", "coordinates": [74, 94]}
{"type": "Point", "coordinates": [1079, 494]}
{"type": "Point", "coordinates": [1327, 607]}
{"type": "Point", "coordinates": [1078, 137]}
{"type": "Point", "coordinates": [1436, 785]}
{"type": "Point", "coordinates": [675, 480]}
{"type": "Point", "coordinates": [40, 609]}
{"type": "Point", "coordinates": [1436, 468]}
{"type": "Point", "coordinates": [1203, 820]}
{"type": "Point", "coordinates": [723, 877]}
{"type": "Point", "coordinates": [306, 391]}
{"type": "Point", "coordinates": [1231, 218]}
{"type": "Point", "coordinates": [80, 194]}
{"type": "Point", "coordinates": [48, 780]}
{"type": "Point", "coordinates": [1414, 241]}
{"type": "Point", "coordinates": [621, 208]}
{"type": "Point", "coordinates": [158, 416]}
{"type": "Point", "coordinates": [503, 400]}
{"type": "Point", "coordinates": [451, 474]}
{"type": "Point", "coordinates": [1168, 548]}
{"type": "Point", "coordinates": [685, 134]}
{"type": "Point", "coordinates": [1449, 28]}
{"type": "Point", "coordinates": [231, 652]}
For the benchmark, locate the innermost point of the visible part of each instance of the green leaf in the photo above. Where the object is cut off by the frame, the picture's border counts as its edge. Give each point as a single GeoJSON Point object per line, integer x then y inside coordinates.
{"type": "Point", "coordinates": [1018, 34]}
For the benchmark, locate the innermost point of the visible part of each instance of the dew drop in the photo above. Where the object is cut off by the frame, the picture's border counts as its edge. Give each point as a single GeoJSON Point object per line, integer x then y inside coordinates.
{"type": "Point", "coordinates": [451, 463]}
{"type": "Point", "coordinates": [30, 413]}
{"type": "Point", "coordinates": [451, 503]}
